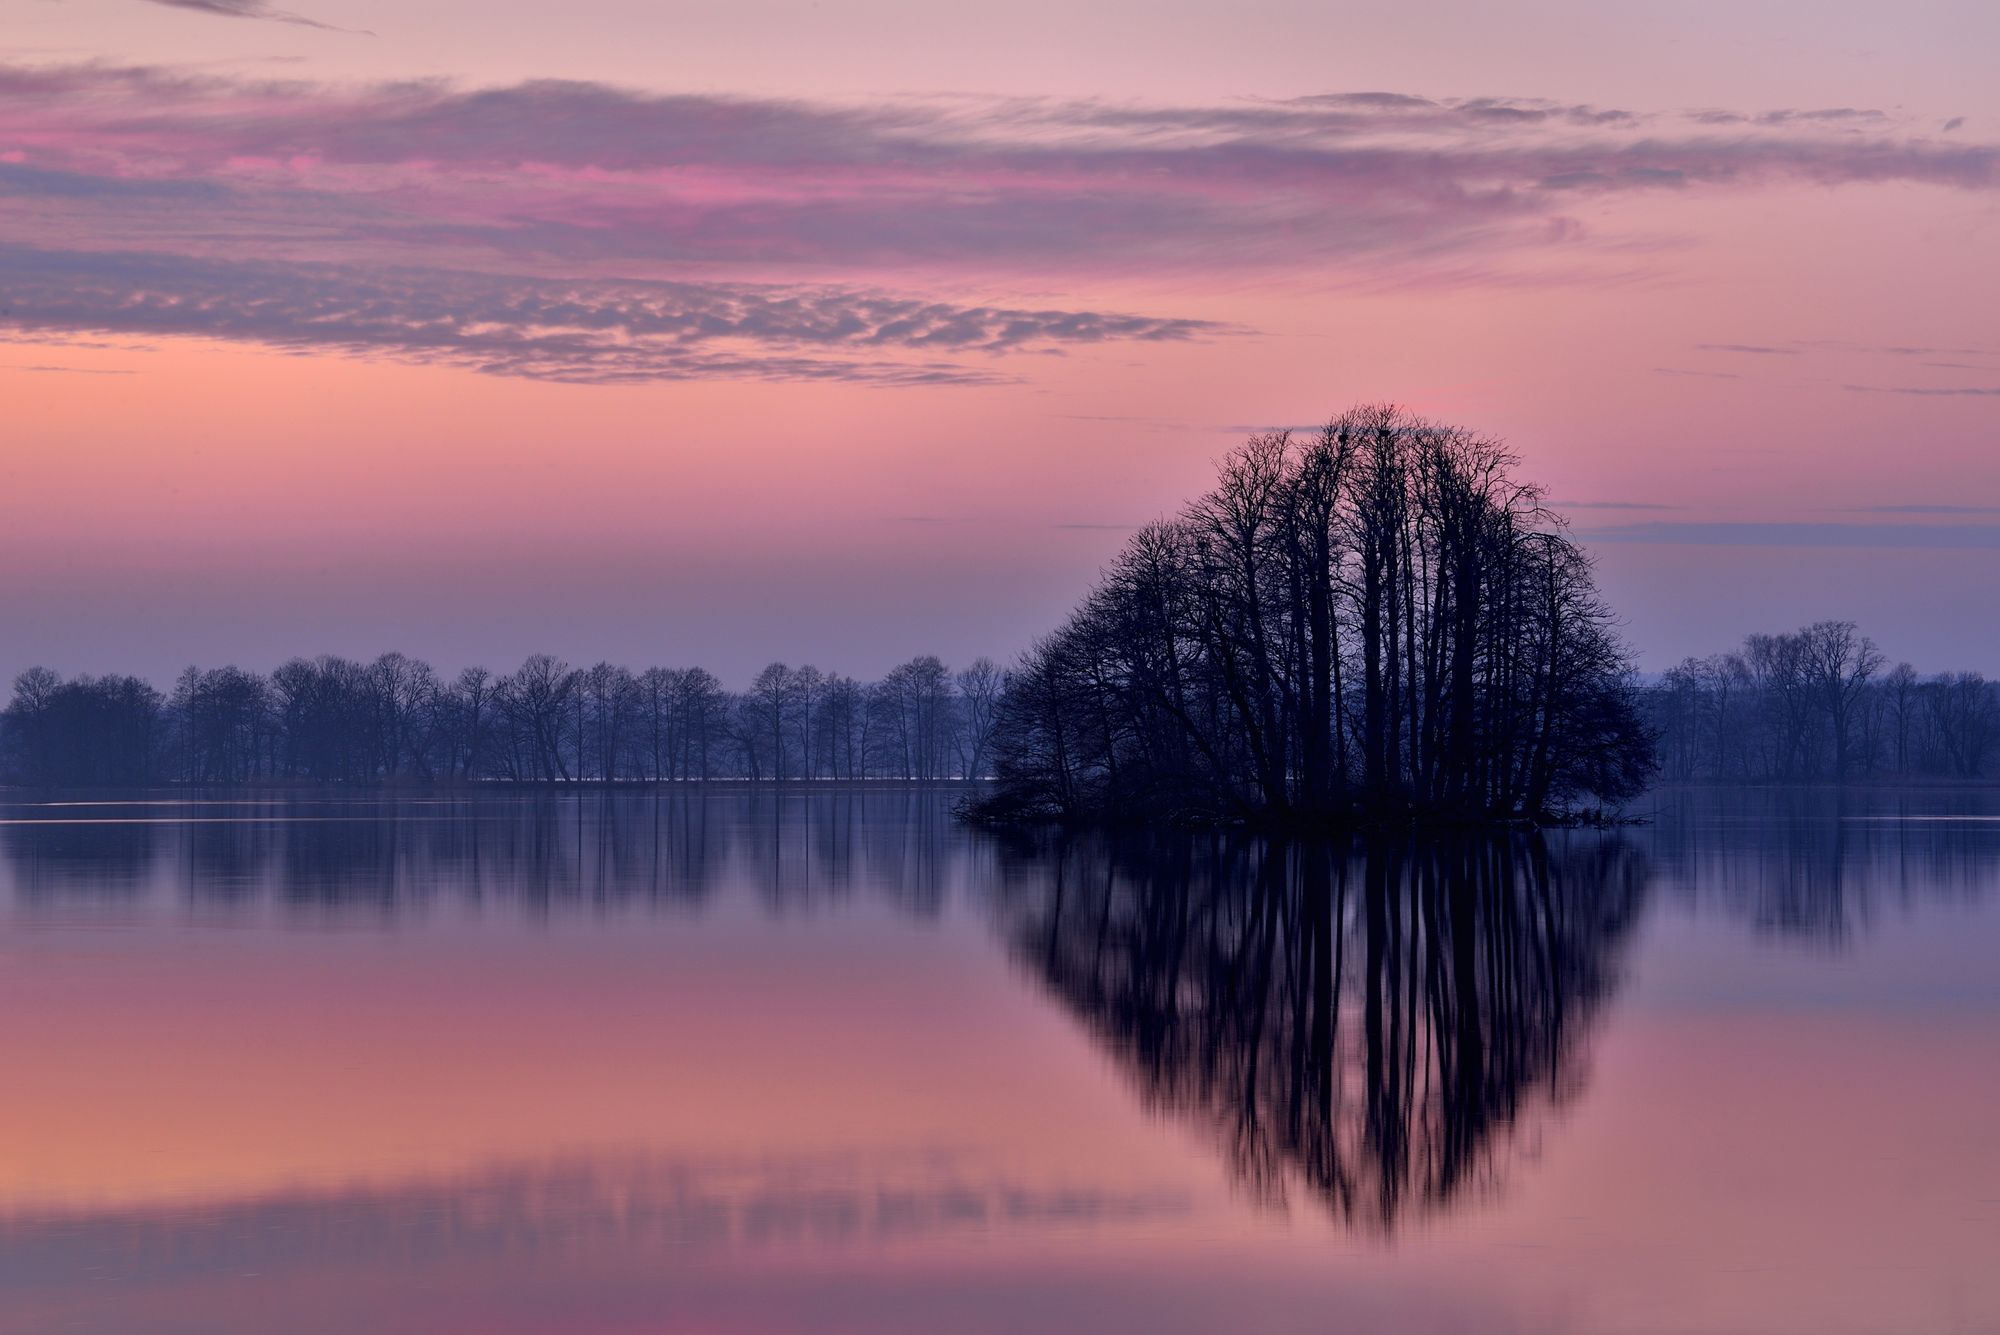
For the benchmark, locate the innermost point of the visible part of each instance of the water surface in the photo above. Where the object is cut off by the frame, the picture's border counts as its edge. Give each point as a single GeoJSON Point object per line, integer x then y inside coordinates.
{"type": "Point", "coordinates": [831, 1062]}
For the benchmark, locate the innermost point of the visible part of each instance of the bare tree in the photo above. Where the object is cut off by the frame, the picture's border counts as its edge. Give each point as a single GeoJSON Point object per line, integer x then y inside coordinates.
{"type": "Point", "coordinates": [538, 697]}
{"type": "Point", "coordinates": [1837, 662]}
{"type": "Point", "coordinates": [1376, 619]}
{"type": "Point", "coordinates": [979, 687]}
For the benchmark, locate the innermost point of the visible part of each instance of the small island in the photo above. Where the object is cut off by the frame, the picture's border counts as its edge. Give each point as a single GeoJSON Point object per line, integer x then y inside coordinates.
{"type": "Point", "coordinates": [1373, 623]}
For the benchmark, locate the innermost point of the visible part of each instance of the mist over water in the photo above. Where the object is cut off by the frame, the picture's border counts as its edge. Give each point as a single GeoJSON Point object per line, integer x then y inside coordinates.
{"type": "Point", "coordinates": [775, 1061]}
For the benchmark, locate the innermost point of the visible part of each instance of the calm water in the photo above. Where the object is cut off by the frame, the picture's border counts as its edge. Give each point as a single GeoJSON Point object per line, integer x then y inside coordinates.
{"type": "Point", "coordinates": [834, 1063]}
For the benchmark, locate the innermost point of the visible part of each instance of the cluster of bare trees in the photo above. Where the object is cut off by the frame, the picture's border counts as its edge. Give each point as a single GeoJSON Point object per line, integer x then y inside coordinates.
{"type": "Point", "coordinates": [1821, 703]}
{"type": "Point", "coordinates": [334, 720]}
{"type": "Point", "coordinates": [1378, 618]}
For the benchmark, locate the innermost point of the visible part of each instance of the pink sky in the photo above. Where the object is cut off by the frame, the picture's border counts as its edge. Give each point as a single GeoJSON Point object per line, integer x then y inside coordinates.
{"type": "Point", "coordinates": [847, 332]}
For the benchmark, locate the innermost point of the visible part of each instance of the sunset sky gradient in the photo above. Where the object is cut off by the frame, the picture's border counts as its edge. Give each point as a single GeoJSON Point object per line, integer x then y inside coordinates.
{"type": "Point", "coordinates": [840, 332]}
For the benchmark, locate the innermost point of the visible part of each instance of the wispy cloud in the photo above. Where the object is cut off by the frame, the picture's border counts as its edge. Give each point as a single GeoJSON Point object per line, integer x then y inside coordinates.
{"type": "Point", "coordinates": [409, 188]}
{"type": "Point", "coordinates": [595, 332]}
{"type": "Point", "coordinates": [1926, 509]}
{"type": "Point", "coordinates": [1611, 505]}
{"type": "Point", "coordinates": [1930, 391]}
{"type": "Point", "coordinates": [48, 184]}
{"type": "Point", "coordinates": [1799, 534]}
{"type": "Point", "coordinates": [591, 171]}
{"type": "Point", "coordinates": [1922, 355]}
{"type": "Point", "coordinates": [1263, 428]}
{"type": "Point", "coordinates": [1896, 349]}
{"type": "Point", "coordinates": [50, 369]}
{"type": "Point", "coordinates": [250, 9]}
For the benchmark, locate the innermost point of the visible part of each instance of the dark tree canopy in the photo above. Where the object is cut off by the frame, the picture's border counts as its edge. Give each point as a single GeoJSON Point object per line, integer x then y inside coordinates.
{"type": "Point", "coordinates": [1817, 706]}
{"type": "Point", "coordinates": [1373, 621]}
{"type": "Point", "coordinates": [333, 720]}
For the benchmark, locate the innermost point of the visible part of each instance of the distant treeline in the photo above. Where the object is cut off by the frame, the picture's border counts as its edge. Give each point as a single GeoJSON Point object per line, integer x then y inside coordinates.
{"type": "Point", "coordinates": [1821, 704]}
{"type": "Point", "coordinates": [1375, 620]}
{"type": "Point", "coordinates": [333, 720]}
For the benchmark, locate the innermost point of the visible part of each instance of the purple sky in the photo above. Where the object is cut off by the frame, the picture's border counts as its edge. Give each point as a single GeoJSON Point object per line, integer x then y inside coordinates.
{"type": "Point", "coordinates": [675, 333]}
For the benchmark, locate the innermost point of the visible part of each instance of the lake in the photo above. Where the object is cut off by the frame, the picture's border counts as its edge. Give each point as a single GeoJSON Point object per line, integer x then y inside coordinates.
{"type": "Point", "coordinates": [830, 1061]}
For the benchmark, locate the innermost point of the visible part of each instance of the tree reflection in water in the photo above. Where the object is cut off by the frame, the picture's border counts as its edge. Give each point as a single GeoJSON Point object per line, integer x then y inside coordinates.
{"type": "Point", "coordinates": [1375, 1024]}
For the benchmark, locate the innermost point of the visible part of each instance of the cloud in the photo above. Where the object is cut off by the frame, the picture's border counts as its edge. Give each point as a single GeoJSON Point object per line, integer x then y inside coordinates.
{"type": "Point", "coordinates": [587, 331]}
{"type": "Point", "coordinates": [1786, 116]}
{"type": "Point", "coordinates": [1826, 115]}
{"type": "Point", "coordinates": [585, 171]}
{"type": "Point", "coordinates": [1897, 349]}
{"type": "Point", "coordinates": [1611, 505]}
{"type": "Point", "coordinates": [1901, 352]}
{"type": "Point", "coordinates": [1951, 537]}
{"type": "Point", "coordinates": [47, 369]}
{"type": "Point", "coordinates": [1927, 509]}
{"type": "Point", "coordinates": [411, 191]}
{"type": "Point", "coordinates": [1266, 428]}
{"type": "Point", "coordinates": [17, 181]}
{"type": "Point", "coordinates": [1931, 391]}
{"type": "Point", "coordinates": [250, 9]}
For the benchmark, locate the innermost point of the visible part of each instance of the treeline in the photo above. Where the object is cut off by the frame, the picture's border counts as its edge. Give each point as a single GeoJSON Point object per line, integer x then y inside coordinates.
{"type": "Point", "coordinates": [1377, 619]}
{"type": "Point", "coordinates": [1821, 704]}
{"type": "Point", "coordinates": [334, 720]}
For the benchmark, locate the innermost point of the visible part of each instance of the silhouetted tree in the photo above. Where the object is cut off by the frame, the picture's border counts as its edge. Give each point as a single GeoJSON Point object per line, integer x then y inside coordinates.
{"type": "Point", "coordinates": [1376, 620]}
{"type": "Point", "coordinates": [333, 720]}
{"type": "Point", "coordinates": [536, 700]}
{"type": "Point", "coordinates": [979, 689]}
{"type": "Point", "coordinates": [701, 703]}
{"type": "Point", "coordinates": [224, 723]}
{"type": "Point", "coordinates": [470, 708]}
{"type": "Point", "coordinates": [89, 731]}
{"type": "Point", "coordinates": [1814, 705]}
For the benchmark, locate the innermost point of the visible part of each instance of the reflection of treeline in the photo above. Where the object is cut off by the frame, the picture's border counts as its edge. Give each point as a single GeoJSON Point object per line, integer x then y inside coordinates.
{"type": "Point", "coordinates": [542, 853]}
{"type": "Point", "coordinates": [1821, 865]}
{"type": "Point", "coordinates": [1368, 1024]}
{"type": "Point", "coordinates": [330, 719]}
{"type": "Point", "coordinates": [1376, 618]}
{"type": "Point", "coordinates": [1818, 704]}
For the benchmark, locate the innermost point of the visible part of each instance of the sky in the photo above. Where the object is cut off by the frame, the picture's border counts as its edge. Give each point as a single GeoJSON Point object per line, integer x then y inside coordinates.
{"type": "Point", "coordinates": [675, 333]}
